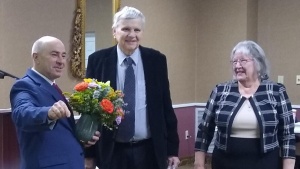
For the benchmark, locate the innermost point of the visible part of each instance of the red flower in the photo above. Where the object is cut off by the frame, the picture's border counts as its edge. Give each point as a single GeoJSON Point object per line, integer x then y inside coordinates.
{"type": "Point", "coordinates": [81, 86]}
{"type": "Point", "coordinates": [107, 105]}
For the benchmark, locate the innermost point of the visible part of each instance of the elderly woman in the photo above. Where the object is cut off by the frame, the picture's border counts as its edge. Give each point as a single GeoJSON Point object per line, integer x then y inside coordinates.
{"type": "Point", "coordinates": [253, 116]}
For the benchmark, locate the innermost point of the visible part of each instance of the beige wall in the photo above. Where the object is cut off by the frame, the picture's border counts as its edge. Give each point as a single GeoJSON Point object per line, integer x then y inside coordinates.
{"type": "Point", "coordinates": [99, 20]}
{"type": "Point", "coordinates": [279, 35]}
{"type": "Point", "coordinates": [252, 13]}
{"type": "Point", "coordinates": [196, 36]}
{"type": "Point", "coordinates": [274, 24]}
{"type": "Point", "coordinates": [221, 24]}
{"type": "Point", "coordinates": [171, 28]}
{"type": "Point", "coordinates": [22, 22]}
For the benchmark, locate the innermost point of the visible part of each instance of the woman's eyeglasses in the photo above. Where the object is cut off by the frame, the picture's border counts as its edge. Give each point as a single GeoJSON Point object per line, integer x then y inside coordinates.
{"type": "Point", "coordinates": [241, 61]}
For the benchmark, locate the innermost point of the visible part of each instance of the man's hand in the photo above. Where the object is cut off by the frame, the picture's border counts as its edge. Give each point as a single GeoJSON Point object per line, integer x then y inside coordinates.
{"type": "Point", "coordinates": [173, 162]}
{"type": "Point", "coordinates": [94, 140]}
{"type": "Point", "coordinates": [89, 163]}
{"type": "Point", "coordinates": [58, 110]}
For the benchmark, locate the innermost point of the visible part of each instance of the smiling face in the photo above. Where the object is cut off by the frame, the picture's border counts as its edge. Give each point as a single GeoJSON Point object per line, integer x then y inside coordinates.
{"type": "Point", "coordinates": [50, 59]}
{"type": "Point", "coordinates": [243, 67]}
{"type": "Point", "coordinates": [128, 34]}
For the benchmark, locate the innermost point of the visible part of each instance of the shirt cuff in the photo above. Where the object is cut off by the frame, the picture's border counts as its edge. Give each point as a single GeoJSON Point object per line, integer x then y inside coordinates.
{"type": "Point", "coordinates": [51, 123]}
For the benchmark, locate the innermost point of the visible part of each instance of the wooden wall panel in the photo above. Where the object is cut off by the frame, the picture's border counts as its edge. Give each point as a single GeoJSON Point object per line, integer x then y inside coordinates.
{"type": "Point", "coordinates": [9, 148]}
{"type": "Point", "coordinates": [1, 141]}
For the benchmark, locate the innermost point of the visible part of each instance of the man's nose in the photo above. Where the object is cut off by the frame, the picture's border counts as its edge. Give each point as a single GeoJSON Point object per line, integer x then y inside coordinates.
{"type": "Point", "coordinates": [60, 59]}
{"type": "Point", "coordinates": [131, 33]}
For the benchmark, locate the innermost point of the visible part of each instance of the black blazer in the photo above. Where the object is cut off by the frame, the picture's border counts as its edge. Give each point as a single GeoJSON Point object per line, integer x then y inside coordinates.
{"type": "Point", "coordinates": [102, 65]}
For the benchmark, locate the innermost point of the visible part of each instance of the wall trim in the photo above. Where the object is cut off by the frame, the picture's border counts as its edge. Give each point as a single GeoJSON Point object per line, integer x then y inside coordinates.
{"type": "Point", "coordinates": [204, 104]}
{"type": "Point", "coordinates": [189, 105]}
{"type": "Point", "coordinates": [296, 106]}
{"type": "Point", "coordinates": [175, 106]}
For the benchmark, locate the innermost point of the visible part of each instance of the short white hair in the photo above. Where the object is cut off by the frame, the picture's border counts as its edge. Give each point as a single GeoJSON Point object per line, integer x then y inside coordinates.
{"type": "Point", "coordinates": [128, 13]}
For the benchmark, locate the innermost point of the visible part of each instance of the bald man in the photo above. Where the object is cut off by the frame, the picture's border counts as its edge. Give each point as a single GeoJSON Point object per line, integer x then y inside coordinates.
{"type": "Point", "coordinates": [44, 121]}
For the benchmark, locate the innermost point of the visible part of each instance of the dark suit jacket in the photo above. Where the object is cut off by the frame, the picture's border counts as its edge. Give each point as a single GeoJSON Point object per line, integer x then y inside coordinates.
{"type": "Point", "coordinates": [31, 97]}
{"type": "Point", "coordinates": [102, 65]}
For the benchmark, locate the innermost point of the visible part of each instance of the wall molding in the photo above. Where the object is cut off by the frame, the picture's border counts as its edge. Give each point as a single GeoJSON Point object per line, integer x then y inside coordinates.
{"type": "Point", "coordinates": [189, 105]}
{"type": "Point", "coordinates": [204, 104]}
{"type": "Point", "coordinates": [183, 105]}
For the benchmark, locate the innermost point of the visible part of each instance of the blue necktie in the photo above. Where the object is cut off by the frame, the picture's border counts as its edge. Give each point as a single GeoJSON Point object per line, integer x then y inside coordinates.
{"type": "Point", "coordinates": [126, 127]}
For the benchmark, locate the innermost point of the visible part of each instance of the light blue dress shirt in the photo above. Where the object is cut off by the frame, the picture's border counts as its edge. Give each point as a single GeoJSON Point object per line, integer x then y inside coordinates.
{"type": "Point", "coordinates": [142, 130]}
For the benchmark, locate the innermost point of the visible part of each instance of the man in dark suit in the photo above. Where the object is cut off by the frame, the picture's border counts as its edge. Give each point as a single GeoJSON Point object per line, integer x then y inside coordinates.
{"type": "Point", "coordinates": [44, 122]}
{"type": "Point", "coordinates": [154, 143]}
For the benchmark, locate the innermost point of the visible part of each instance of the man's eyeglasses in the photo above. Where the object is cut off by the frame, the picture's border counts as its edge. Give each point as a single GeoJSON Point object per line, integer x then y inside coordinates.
{"type": "Point", "coordinates": [241, 61]}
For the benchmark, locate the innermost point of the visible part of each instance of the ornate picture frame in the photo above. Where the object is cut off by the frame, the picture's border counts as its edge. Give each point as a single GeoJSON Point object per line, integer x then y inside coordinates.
{"type": "Point", "coordinates": [77, 60]}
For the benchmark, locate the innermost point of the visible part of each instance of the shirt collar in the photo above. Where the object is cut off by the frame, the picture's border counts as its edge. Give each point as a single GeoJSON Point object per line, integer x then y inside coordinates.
{"type": "Point", "coordinates": [44, 77]}
{"type": "Point", "coordinates": [122, 56]}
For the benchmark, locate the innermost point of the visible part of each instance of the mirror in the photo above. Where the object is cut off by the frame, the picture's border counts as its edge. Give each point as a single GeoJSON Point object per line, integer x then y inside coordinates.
{"type": "Point", "coordinates": [92, 31]}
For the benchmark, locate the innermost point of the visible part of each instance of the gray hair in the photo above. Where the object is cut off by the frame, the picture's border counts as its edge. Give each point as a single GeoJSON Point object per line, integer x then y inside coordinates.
{"type": "Point", "coordinates": [128, 13]}
{"type": "Point", "coordinates": [254, 51]}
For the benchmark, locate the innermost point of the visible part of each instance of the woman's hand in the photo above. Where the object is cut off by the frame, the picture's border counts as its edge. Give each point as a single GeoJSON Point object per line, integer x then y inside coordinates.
{"type": "Point", "coordinates": [199, 167]}
{"type": "Point", "coordinates": [199, 160]}
{"type": "Point", "coordinates": [288, 163]}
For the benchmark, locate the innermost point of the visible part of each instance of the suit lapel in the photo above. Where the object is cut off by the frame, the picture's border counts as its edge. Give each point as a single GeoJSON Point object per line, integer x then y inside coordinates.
{"type": "Point", "coordinates": [151, 82]}
{"type": "Point", "coordinates": [43, 84]}
{"type": "Point", "coordinates": [148, 69]}
{"type": "Point", "coordinates": [63, 98]}
{"type": "Point", "coordinates": [110, 64]}
{"type": "Point", "coordinates": [60, 96]}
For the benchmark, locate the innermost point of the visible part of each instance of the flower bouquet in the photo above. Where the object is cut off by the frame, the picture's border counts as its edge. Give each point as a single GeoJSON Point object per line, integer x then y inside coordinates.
{"type": "Point", "coordinates": [97, 103]}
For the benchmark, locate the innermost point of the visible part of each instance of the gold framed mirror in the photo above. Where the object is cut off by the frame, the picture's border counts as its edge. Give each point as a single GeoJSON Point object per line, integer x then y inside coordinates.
{"type": "Point", "coordinates": [85, 14]}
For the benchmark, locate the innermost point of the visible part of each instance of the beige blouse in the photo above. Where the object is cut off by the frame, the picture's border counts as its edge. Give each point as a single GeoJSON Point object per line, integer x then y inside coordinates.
{"type": "Point", "coordinates": [245, 124]}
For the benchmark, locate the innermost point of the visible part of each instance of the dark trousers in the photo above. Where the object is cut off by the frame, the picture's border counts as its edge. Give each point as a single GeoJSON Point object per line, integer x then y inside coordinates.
{"type": "Point", "coordinates": [297, 164]}
{"type": "Point", "coordinates": [244, 153]}
{"type": "Point", "coordinates": [138, 155]}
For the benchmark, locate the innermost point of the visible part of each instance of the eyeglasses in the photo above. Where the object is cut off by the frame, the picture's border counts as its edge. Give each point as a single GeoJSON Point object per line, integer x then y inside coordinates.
{"type": "Point", "coordinates": [241, 61]}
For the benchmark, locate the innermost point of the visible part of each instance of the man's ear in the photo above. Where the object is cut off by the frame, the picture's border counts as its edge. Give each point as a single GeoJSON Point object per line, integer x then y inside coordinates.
{"type": "Point", "coordinates": [114, 32]}
{"type": "Point", "coordinates": [35, 57]}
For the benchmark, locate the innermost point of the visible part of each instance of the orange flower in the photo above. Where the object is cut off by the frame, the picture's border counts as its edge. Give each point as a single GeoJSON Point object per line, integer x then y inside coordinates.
{"type": "Point", "coordinates": [107, 105]}
{"type": "Point", "coordinates": [81, 86]}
